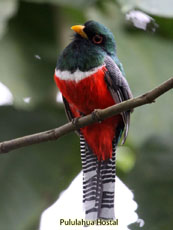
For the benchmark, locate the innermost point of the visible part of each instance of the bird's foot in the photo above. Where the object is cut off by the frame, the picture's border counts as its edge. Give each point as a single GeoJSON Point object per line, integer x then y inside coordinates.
{"type": "Point", "coordinates": [96, 116]}
{"type": "Point", "coordinates": [75, 122]}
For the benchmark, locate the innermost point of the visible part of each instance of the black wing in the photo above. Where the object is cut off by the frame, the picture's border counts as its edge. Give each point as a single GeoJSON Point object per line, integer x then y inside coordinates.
{"type": "Point", "coordinates": [119, 89]}
{"type": "Point", "coordinates": [69, 113]}
{"type": "Point", "coordinates": [67, 109]}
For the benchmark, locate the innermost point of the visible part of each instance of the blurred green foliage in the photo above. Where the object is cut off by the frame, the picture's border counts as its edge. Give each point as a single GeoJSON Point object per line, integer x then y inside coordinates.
{"type": "Point", "coordinates": [32, 178]}
{"type": "Point", "coordinates": [152, 181]}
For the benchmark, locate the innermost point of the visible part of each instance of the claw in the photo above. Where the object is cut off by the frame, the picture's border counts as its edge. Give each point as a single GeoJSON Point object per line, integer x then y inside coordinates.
{"type": "Point", "coordinates": [96, 116]}
{"type": "Point", "coordinates": [75, 121]}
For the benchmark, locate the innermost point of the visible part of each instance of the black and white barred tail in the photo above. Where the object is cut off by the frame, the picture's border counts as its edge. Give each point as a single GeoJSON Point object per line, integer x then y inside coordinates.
{"type": "Point", "coordinates": [98, 183]}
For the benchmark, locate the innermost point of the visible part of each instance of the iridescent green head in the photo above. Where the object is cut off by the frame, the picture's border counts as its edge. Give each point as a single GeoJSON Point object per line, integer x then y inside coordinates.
{"type": "Point", "coordinates": [92, 42]}
{"type": "Point", "coordinates": [98, 34]}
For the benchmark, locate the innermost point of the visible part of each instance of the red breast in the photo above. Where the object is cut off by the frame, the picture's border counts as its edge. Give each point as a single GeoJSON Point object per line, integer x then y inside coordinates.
{"type": "Point", "coordinates": [86, 95]}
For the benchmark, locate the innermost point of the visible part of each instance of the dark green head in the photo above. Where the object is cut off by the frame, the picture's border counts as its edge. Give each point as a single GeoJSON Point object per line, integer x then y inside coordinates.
{"type": "Point", "coordinates": [100, 36]}
{"type": "Point", "coordinates": [92, 42]}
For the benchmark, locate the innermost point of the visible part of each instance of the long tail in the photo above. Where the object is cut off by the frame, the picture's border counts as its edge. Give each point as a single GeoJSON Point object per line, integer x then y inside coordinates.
{"type": "Point", "coordinates": [98, 184]}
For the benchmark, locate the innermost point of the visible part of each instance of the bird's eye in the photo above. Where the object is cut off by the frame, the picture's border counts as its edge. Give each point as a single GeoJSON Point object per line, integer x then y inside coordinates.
{"type": "Point", "coordinates": [97, 39]}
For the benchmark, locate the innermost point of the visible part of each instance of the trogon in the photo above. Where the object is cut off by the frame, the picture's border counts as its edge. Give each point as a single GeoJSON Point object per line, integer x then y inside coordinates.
{"type": "Point", "coordinates": [90, 76]}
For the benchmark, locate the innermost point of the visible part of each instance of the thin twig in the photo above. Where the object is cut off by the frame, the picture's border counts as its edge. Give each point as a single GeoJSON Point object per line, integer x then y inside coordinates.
{"type": "Point", "coordinates": [54, 134]}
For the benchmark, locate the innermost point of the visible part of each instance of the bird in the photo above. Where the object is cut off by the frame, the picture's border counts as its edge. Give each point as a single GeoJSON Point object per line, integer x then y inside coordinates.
{"type": "Point", "coordinates": [90, 76]}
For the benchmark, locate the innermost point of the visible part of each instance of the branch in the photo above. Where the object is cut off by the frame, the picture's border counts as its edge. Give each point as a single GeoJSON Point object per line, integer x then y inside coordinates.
{"type": "Point", "coordinates": [99, 115]}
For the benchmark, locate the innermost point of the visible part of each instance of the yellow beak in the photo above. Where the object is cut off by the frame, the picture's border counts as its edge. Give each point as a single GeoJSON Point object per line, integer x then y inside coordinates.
{"type": "Point", "coordinates": [79, 30]}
